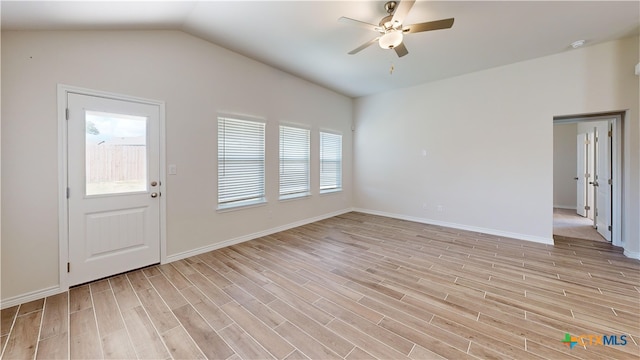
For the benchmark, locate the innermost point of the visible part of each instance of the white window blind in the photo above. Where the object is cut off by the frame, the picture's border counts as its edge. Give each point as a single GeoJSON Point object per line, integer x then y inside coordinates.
{"type": "Point", "coordinates": [330, 162]}
{"type": "Point", "coordinates": [294, 162]}
{"type": "Point", "coordinates": [241, 162]}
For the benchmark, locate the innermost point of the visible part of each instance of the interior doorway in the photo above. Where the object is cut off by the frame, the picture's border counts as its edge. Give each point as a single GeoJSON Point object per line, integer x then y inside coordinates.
{"type": "Point", "coordinates": [568, 224]}
{"type": "Point", "coordinates": [587, 193]}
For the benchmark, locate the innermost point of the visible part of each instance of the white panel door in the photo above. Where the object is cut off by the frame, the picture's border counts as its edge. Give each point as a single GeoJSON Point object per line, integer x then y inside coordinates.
{"type": "Point", "coordinates": [581, 180]}
{"type": "Point", "coordinates": [591, 190]}
{"type": "Point", "coordinates": [113, 178]}
{"type": "Point", "coordinates": [601, 182]}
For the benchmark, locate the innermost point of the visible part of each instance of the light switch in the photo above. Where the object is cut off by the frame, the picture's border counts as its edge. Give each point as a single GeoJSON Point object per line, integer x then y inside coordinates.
{"type": "Point", "coordinates": [173, 170]}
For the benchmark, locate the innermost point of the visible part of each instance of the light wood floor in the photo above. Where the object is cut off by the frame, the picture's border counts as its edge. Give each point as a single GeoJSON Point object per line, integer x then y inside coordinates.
{"type": "Point", "coordinates": [354, 286]}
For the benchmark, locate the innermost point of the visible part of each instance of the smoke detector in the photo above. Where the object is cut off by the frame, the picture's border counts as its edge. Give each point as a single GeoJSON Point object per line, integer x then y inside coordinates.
{"type": "Point", "coordinates": [578, 43]}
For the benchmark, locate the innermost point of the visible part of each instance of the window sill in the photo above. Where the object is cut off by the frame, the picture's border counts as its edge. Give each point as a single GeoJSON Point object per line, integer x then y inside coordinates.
{"type": "Point", "coordinates": [240, 205]}
{"type": "Point", "coordinates": [330, 191]}
{"type": "Point", "coordinates": [294, 196]}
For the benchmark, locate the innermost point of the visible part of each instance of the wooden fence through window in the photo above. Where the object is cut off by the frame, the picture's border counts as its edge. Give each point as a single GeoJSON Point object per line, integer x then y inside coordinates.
{"type": "Point", "coordinates": [108, 163]}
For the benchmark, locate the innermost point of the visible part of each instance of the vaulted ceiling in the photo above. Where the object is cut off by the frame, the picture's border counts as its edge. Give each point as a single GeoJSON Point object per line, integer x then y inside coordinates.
{"type": "Point", "coordinates": [305, 39]}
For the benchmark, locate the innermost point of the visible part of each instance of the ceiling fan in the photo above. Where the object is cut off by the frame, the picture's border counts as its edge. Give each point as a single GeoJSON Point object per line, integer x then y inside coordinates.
{"type": "Point", "coordinates": [391, 28]}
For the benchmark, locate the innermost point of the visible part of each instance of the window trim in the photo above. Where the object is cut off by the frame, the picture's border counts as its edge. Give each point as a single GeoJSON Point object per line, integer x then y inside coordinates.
{"type": "Point", "coordinates": [307, 192]}
{"type": "Point", "coordinates": [244, 203]}
{"type": "Point", "coordinates": [339, 187]}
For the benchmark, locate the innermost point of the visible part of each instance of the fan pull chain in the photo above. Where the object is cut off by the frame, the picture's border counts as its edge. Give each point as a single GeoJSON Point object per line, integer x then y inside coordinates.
{"type": "Point", "coordinates": [391, 69]}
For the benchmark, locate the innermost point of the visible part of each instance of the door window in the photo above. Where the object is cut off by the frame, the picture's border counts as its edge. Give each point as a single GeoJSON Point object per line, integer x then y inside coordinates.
{"type": "Point", "coordinates": [116, 153]}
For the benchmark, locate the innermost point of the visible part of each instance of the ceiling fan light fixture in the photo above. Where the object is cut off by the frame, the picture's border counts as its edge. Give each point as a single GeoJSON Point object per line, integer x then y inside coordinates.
{"type": "Point", "coordinates": [391, 39]}
{"type": "Point", "coordinates": [390, 31]}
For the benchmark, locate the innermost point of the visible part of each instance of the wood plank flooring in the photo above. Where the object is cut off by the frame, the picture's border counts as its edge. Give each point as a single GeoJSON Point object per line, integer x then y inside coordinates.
{"type": "Point", "coordinates": [355, 286]}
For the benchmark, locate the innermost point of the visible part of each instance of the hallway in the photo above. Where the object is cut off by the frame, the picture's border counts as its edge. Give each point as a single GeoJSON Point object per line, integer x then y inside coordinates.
{"type": "Point", "coordinates": [569, 224]}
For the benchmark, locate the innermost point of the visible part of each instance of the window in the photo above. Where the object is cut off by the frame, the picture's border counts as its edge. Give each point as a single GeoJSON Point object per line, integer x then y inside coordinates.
{"type": "Point", "coordinates": [116, 153]}
{"type": "Point", "coordinates": [294, 162]}
{"type": "Point", "coordinates": [240, 162]}
{"type": "Point", "coordinates": [330, 162]}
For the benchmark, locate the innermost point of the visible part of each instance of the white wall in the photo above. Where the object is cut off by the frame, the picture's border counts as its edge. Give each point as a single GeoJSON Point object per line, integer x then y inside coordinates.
{"type": "Point", "coordinates": [488, 138]}
{"type": "Point", "coordinates": [565, 158]}
{"type": "Point", "coordinates": [196, 79]}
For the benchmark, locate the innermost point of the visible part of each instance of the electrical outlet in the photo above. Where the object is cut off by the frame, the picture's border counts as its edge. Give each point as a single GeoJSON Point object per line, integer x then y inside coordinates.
{"type": "Point", "coordinates": [440, 208]}
{"type": "Point", "coordinates": [172, 170]}
{"type": "Point", "coordinates": [424, 206]}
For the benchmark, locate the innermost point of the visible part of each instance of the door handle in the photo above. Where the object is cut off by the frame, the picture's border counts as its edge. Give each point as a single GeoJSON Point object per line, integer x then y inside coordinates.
{"type": "Point", "coordinates": [154, 195]}
{"type": "Point", "coordinates": [576, 178]}
{"type": "Point", "coordinates": [154, 183]}
{"type": "Point", "coordinates": [594, 183]}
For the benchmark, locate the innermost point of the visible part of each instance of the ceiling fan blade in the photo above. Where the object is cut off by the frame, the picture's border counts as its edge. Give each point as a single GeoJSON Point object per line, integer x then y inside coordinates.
{"type": "Point", "coordinates": [362, 24]}
{"type": "Point", "coordinates": [428, 26]}
{"type": "Point", "coordinates": [401, 50]}
{"type": "Point", "coordinates": [363, 46]}
{"type": "Point", "coordinates": [402, 10]}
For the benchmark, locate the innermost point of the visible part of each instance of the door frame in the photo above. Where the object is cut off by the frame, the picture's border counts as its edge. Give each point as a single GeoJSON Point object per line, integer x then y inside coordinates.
{"type": "Point", "coordinates": [63, 206]}
{"type": "Point", "coordinates": [582, 197]}
{"type": "Point", "coordinates": [617, 119]}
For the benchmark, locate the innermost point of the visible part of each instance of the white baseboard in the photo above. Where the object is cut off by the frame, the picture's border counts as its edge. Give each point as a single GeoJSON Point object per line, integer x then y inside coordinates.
{"type": "Point", "coordinates": [30, 296]}
{"type": "Point", "coordinates": [241, 239]}
{"type": "Point", "coordinates": [565, 207]}
{"type": "Point", "coordinates": [632, 254]}
{"type": "Point", "coordinates": [537, 239]}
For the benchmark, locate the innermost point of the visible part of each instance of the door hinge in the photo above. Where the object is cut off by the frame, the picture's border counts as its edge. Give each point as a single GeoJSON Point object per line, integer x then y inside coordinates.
{"type": "Point", "coordinates": [587, 207]}
{"type": "Point", "coordinates": [609, 133]}
{"type": "Point", "coordinates": [609, 227]}
{"type": "Point", "coordinates": [68, 192]}
{"type": "Point", "coordinates": [68, 267]}
{"type": "Point", "coordinates": [609, 181]}
{"type": "Point", "coordinates": [66, 113]}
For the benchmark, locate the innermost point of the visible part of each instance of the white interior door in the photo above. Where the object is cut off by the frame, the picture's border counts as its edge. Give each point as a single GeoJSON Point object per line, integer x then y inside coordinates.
{"type": "Point", "coordinates": [113, 179]}
{"type": "Point", "coordinates": [581, 180]}
{"type": "Point", "coordinates": [601, 182]}
{"type": "Point", "coordinates": [591, 190]}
